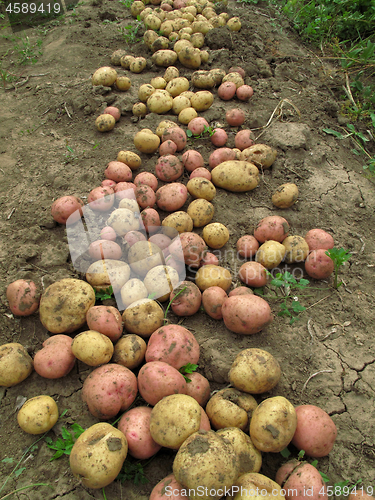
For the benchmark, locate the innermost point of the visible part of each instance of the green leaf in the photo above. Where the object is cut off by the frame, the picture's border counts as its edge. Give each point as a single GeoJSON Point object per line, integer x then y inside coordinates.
{"type": "Point", "coordinates": [301, 454]}
{"type": "Point", "coordinates": [189, 133]}
{"type": "Point", "coordinates": [285, 453]}
{"type": "Point", "coordinates": [333, 132]}
{"type": "Point", "coordinates": [297, 308]}
{"type": "Point", "coordinates": [8, 460]}
{"type": "Point", "coordinates": [314, 463]}
{"type": "Point", "coordinates": [277, 282]}
{"type": "Point", "coordinates": [18, 472]}
{"type": "Point", "coordinates": [324, 477]}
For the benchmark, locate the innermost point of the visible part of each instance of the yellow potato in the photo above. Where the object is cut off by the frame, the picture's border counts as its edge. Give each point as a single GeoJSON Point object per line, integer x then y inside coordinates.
{"type": "Point", "coordinates": [164, 58]}
{"type": "Point", "coordinates": [139, 109]}
{"type": "Point", "coordinates": [149, 38]}
{"type": "Point", "coordinates": [234, 24]}
{"type": "Point", "coordinates": [92, 348]}
{"type": "Point", "coordinates": [285, 195]}
{"type": "Point", "coordinates": [38, 415]}
{"type": "Point", "coordinates": [250, 458]}
{"type": "Point", "coordinates": [216, 235]}
{"type": "Point", "coordinates": [203, 79]}
{"type": "Point", "coordinates": [145, 140]}
{"type": "Point", "coordinates": [260, 154]}
{"type": "Point", "coordinates": [15, 364]}
{"type": "Point", "coordinates": [158, 82]}
{"type": "Point", "coordinates": [126, 60]}
{"type": "Point", "coordinates": [211, 275]}
{"type": "Point", "coordinates": [130, 159]}
{"type": "Point", "coordinates": [170, 73]}
{"type": "Point", "coordinates": [163, 125]}
{"type": "Point", "coordinates": [138, 65]}
{"type": "Point", "coordinates": [270, 254]}
{"type": "Point", "coordinates": [200, 187]}
{"type": "Point", "coordinates": [180, 103]}
{"type": "Point", "coordinates": [105, 76]}
{"type": "Point", "coordinates": [230, 408]}
{"type": "Point", "coordinates": [161, 43]}
{"type": "Point", "coordinates": [123, 83]}
{"type": "Point", "coordinates": [105, 123]}
{"type": "Point", "coordinates": [218, 75]}
{"type": "Point", "coordinates": [177, 85]}
{"type": "Point", "coordinates": [143, 317]}
{"type": "Point", "coordinates": [236, 176]}
{"type": "Point", "coordinates": [160, 282]}
{"type": "Point", "coordinates": [296, 248]}
{"type": "Point", "coordinates": [197, 40]}
{"type": "Point", "coordinates": [160, 102]}
{"type": "Point", "coordinates": [129, 351]}
{"type": "Point", "coordinates": [152, 22]}
{"type": "Point", "coordinates": [235, 78]}
{"type": "Point", "coordinates": [116, 57]}
{"type": "Point", "coordinates": [202, 100]}
{"type": "Point", "coordinates": [180, 221]}
{"type": "Point", "coordinates": [186, 115]}
{"type": "Point", "coordinates": [145, 91]}
{"type": "Point", "coordinates": [259, 487]}
{"type": "Point", "coordinates": [136, 8]}
{"type": "Point", "coordinates": [201, 212]}
{"type": "Point", "coordinates": [190, 57]}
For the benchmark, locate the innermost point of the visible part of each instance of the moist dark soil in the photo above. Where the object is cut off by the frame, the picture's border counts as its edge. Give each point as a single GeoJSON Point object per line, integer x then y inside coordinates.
{"type": "Point", "coordinates": [327, 356]}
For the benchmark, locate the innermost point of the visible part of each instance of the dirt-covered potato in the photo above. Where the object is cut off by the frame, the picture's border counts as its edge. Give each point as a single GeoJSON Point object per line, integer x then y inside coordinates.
{"type": "Point", "coordinates": [149, 37]}
{"type": "Point", "coordinates": [301, 476]}
{"type": "Point", "coordinates": [56, 358]}
{"type": "Point", "coordinates": [105, 123]}
{"type": "Point", "coordinates": [164, 58]}
{"type": "Point", "coordinates": [211, 275]}
{"type": "Point", "coordinates": [285, 195]}
{"type": "Point", "coordinates": [126, 60]}
{"type": "Point", "coordinates": [170, 73]}
{"type": "Point", "coordinates": [236, 176]}
{"type": "Point", "coordinates": [23, 297]}
{"type": "Point", "coordinates": [203, 79]}
{"type": "Point", "coordinates": [177, 85]}
{"type": "Point", "coordinates": [260, 154]}
{"type": "Point", "coordinates": [273, 227]}
{"type": "Point", "coordinates": [160, 282]}
{"type": "Point", "coordinates": [296, 248]}
{"type": "Point", "coordinates": [129, 351]}
{"type": "Point", "coordinates": [202, 100]}
{"type": "Point", "coordinates": [116, 57]}
{"type": "Point", "coordinates": [157, 379]}
{"type": "Point", "coordinates": [181, 221]}
{"type": "Point", "coordinates": [98, 455]}
{"type": "Point", "coordinates": [105, 273]}
{"type": "Point", "coordinates": [235, 78]}
{"type": "Point", "coordinates": [138, 65]}
{"type": "Point", "coordinates": [187, 115]}
{"type": "Point", "coordinates": [145, 91]}
{"type": "Point", "coordinates": [105, 76]}
{"type": "Point", "coordinates": [145, 140]}
{"type": "Point", "coordinates": [273, 424]}
{"type": "Point", "coordinates": [270, 254]}
{"type": "Point", "coordinates": [174, 419]}
{"type": "Point", "coordinates": [261, 488]}
{"type": "Point", "coordinates": [201, 212]}
{"type": "Point", "coordinates": [206, 460]}
{"type": "Point", "coordinates": [123, 220]}
{"type": "Point", "coordinates": [246, 314]}
{"type": "Point", "coordinates": [230, 408]}
{"type": "Point", "coordinates": [254, 371]}
{"type": "Point", "coordinates": [250, 457]}
{"type": "Point", "coordinates": [216, 235]}
{"type": "Point", "coordinates": [130, 159]}
{"type": "Point", "coordinates": [38, 415]}
{"type": "Point", "coordinates": [143, 317]}
{"type": "Point", "coordinates": [199, 187]}
{"type": "Point", "coordinates": [180, 103]}
{"type": "Point", "coordinates": [143, 256]}
{"type": "Point", "coordinates": [234, 24]}
{"type": "Point", "coordinates": [64, 304]}
{"type": "Point", "coordinates": [92, 348]}
{"type": "Point", "coordinates": [15, 364]}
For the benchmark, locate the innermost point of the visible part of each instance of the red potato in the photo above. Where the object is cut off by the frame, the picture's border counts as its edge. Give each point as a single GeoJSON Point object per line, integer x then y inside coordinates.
{"type": "Point", "coordinates": [109, 183]}
{"type": "Point", "coordinates": [105, 249]}
{"type": "Point", "coordinates": [161, 240]}
{"type": "Point", "coordinates": [67, 207]}
{"type": "Point", "coordinates": [253, 274]}
{"type": "Point", "coordinates": [213, 299]}
{"type": "Point", "coordinates": [227, 91]}
{"type": "Point", "coordinates": [220, 155]}
{"type": "Point", "coordinates": [106, 320]}
{"type": "Point", "coordinates": [247, 246]}
{"type": "Point", "coordinates": [244, 92]}
{"type": "Point", "coordinates": [135, 425]}
{"type": "Point", "coordinates": [178, 4]}
{"type": "Point", "coordinates": [115, 112]}
{"type": "Point", "coordinates": [157, 379]}
{"type": "Point", "coordinates": [172, 344]}
{"type": "Point", "coordinates": [145, 196]}
{"type": "Point", "coordinates": [318, 265]}
{"type": "Point", "coordinates": [169, 168]}
{"type": "Point", "coordinates": [235, 117]}
{"type": "Point", "coordinates": [101, 199]}
{"type": "Point", "coordinates": [201, 172]}
{"type": "Point", "coordinates": [193, 248]}
{"type": "Point", "coordinates": [151, 219]}
{"type": "Point", "coordinates": [273, 227]}
{"type": "Point", "coordinates": [171, 197]}
{"type": "Point", "coordinates": [237, 69]}
{"type": "Point", "coordinates": [118, 172]}
{"type": "Point", "coordinates": [146, 178]}
{"type": "Point", "coordinates": [197, 125]}
{"type": "Point", "coordinates": [23, 297]}
{"type": "Point", "coordinates": [192, 160]}
{"type": "Point", "coordinates": [108, 389]}
{"type": "Point", "coordinates": [240, 290]}
{"type": "Point", "coordinates": [167, 8]}
{"type": "Point", "coordinates": [205, 421]}
{"type": "Point", "coordinates": [125, 190]}
{"type": "Point", "coordinates": [188, 301]}
{"type": "Point", "coordinates": [209, 259]}
{"type": "Point", "coordinates": [168, 488]}
{"type": "Point", "coordinates": [301, 481]}
{"type": "Point", "coordinates": [316, 432]}
{"type": "Point", "coordinates": [178, 265]}
{"type": "Point", "coordinates": [219, 137]}
{"type": "Point", "coordinates": [132, 237]}
{"type": "Point", "coordinates": [317, 239]}
{"type": "Point", "coordinates": [198, 388]}
{"type": "Point", "coordinates": [246, 314]}
{"type": "Point", "coordinates": [167, 148]}
{"type": "Point", "coordinates": [177, 135]}
{"type": "Point", "coordinates": [108, 233]}
{"type": "Point", "coordinates": [243, 139]}
{"type": "Point", "coordinates": [55, 359]}
{"type": "Point", "coordinates": [360, 494]}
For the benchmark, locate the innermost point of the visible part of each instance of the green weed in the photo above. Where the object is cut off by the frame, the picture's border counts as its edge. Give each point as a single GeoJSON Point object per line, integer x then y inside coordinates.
{"type": "Point", "coordinates": [207, 132]}
{"type": "Point", "coordinates": [64, 445]}
{"type": "Point", "coordinates": [70, 156]}
{"type": "Point", "coordinates": [130, 32]}
{"type": "Point", "coordinates": [132, 472]}
{"type": "Point", "coordinates": [170, 302]}
{"type": "Point", "coordinates": [104, 294]}
{"type": "Point", "coordinates": [339, 256]}
{"type": "Point", "coordinates": [189, 368]}
{"type": "Point", "coordinates": [27, 51]}
{"type": "Point", "coordinates": [126, 3]}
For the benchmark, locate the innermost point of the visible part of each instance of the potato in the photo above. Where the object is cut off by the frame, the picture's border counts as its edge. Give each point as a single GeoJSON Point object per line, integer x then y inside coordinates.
{"type": "Point", "coordinates": [150, 219]}
{"type": "Point", "coordinates": [187, 115]}
{"type": "Point", "coordinates": [101, 199]}
{"type": "Point", "coordinates": [105, 123]}
{"type": "Point", "coordinates": [203, 80]}
{"type": "Point", "coordinates": [250, 458]}
{"type": "Point", "coordinates": [139, 109]}
{"type": "Point", "coordinates": [270, 254]}
{"type": "Point", "coordinates": [236, 176]}
{"type": "Point", "coordinates": [296, 249]}
{"type": "Point", "coordinates": [211, 275]}
{"type": "Point", "coordinates": [285, 195]}
{"type": "Point", "coordinates": [317, 238]}
{"type": "Point", "coordinates": [174, 419]}
{"type": "Point", "coordinates": [189, 245]}
{"type": "Point", "coordinates": [296, 476]}
{"type": "Point", "coordinates": [175, 134]}
{"type": "Point", "coordinates": [164, 58]}
{"type": "Point", "coordinates": [105, 273]}
{"type": "Point", "coordinates": [23, 297]}
{"type": "Point", "coordinates": [109, 389]}
{"type": "Point", "coordinates": [116, 57]}
{"type": "Point", "coordinates": [246, 314]}
{"type": "Point", "coordinates": [129, 158]}
{"type": "Point", "coordinates": [133, 290]}
{"type": "Point", "coordinates": [105, 249]}
{"type": "Point", "coordinates": [181, 221]}
{"type": "Point", "coordinates": [260, 154]}
{"type": "Point", "coordinates": [129, 351]}
{"type": "Point", "coordinates": [143, 317]}
{"type": "Point", "coordinates": [115, 112]}
{"type": "Point", "coordinates": [247, 246]}
{"type": "Point", "coordinates": [273, 424]}
{"type": "Point", "coordinates": [105, 76]}
{"type": "Point", "coordinates": [185, 299]}
{"type": "Point", "coordinates": [244, 92]}
{"type": "Point", "coordinates": [168, 168]}
{"type": "Point", "coordinates": [202, 100]}
{"type": "Point", "coordinates": [234, 24]}
{"type": "Point", "coordinates": [221, 155]}
{"type": "Point", "coordinates": [216, 235]}
{"type": "Point", "coordinates": [192, 160]}
{"type": "Point", "coordinates": [201, 172]}
{"type": "Point", "coordinates": [158, 379]}
{"type": "Point", "coordinates": [145, 91]}
{"type": "Point", "coordinates": [161, 43]}
{"type": "Point", "coordinates": [180, 103]}
{"type": "Point", "coordinates": [235, 117]}
{"type": "Point", "coordinates": [98, 455]}
{"type": "Point", "coordinates": [200, 187]}
{"type": "Point", "coordinates": [125, 61]}
{"type": "Point", "coordinates": [244, 139]}
{"type": "Point", "coordinates": [130, 204]}
{"type": "Point", "coordinates": [213, 298]}
{"type": "Point", "coordinates": [258, 486]}
{"type": "Point", "coordinates": [319, 265]}
{"type": "Point", "coordinates": [235, 78]}
{"type": "Point", "coordinates": [177, 85]}
{"type": "Point", "coordinates": [38, 415]}
{"type": "Point", "coordinates": [171, 197]}
{"type": "Point", "coordinates": [118, 171]}
{"type": "Point", "coordinates": [170, 73]}
{"type": "Point", "coordinates": [240, 290]}
{"type": "Point", "coordinates": [227, 90]}
{"type": "Point", "coordinates": [56, 358]}
{"type": "Point", "coordinates": [105, 320]}
{"type": "Point", "coordinates": [67, 207]}
{"type": "Point", "coordinates": [145, 140]}
{"type": "Point", "coordinates": [253, 274]}
{"type": "Point", "coordinates": [158, 82]}
{"type": "Point", "coordinates": [254, 371]}
{"type": "Point", "coordinates": [149, 37]}
{"type": "Point", "coordinates": [15, 364]}
{"type": "Point", "coordinates": [201, 26]}
{"type": "Point", "coordinates": [206, 460]}
{"type": "Point", "coordinates": [145, 196]}
{"type": "Point", "coordinates": [64, 304]}
{"type": "Point", "coordinates": [160, 102]}
{"type": "Point", "coordinates": [316, 432]}
{"type": "Point", "coordinates": [143, 256]}
{"type": "Point", "coordinates": [168, 488]}
{"type": "Point", "coordinates": [160, 281]}
{"type": "Point", "coordinates": [123, 83]}
{"type": "Point", "coordinates": [92, 348]}
{"type": "Point", "coordinates": [138, 65]}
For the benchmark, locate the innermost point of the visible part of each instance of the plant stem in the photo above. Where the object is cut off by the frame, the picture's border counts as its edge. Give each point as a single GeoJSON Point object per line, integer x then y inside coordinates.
{"type": "Point", "coordinates": [24, 488]}
{"type": "Point", "coordinates": [170, 302]}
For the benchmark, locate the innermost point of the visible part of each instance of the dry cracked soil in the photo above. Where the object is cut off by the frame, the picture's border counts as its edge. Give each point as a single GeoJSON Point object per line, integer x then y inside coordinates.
{"type": "Point", "coordinates": [327, 356]}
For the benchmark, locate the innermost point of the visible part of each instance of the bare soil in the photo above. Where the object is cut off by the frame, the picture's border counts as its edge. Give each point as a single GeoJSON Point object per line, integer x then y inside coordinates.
{"type": "Point", "coordinates": [54, 106]}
